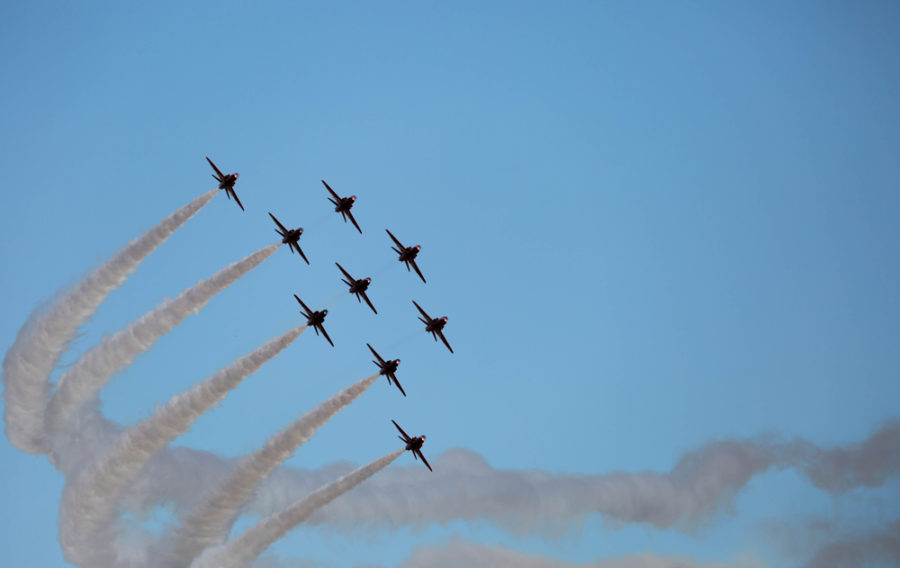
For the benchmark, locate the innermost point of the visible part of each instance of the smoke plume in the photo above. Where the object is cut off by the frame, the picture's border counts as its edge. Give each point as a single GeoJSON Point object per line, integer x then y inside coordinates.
{"type": "Point", "coordinates": [241, 551]}
{"type": "Point", "coordinates": [465, 487]}
{"type": "Point", "coordinates": [89, 507]}
{"type": "Point", "coordinates": [40, 343]}
{"type": "Point", "coordinates": [460, 553]}
{"type": "Point", "coordinates": [880, 547]}
{"type": "Point", "coordinates": [209, 523]}
{"type": "Point", "coordinates": [81, 383]}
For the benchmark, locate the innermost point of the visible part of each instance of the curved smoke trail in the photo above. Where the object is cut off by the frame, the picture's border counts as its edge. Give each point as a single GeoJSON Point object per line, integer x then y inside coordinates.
{"type": "Point", "coordinates": [241, 551]}
{"type": "Point", "coordinates": [81, 383]}
{"type": "Point", "coordinates": [89, 506]}
{"type": "Point", "coordinates": [40, 343]}
{"type": "Point", "coordinates": [465, 487]}
{"type": "Point", "coordinates": [208, 525]}
{"type": "Point", "coordinates": [112, 471]}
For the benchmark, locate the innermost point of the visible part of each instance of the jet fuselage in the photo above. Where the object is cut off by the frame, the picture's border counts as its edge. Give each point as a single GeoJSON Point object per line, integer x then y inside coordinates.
{"type": "Point", "coordinates": [410, 253]}
{"type": "Point", "coordinates": [317, 318]}
{"type": "Point", "coordinates": [345, 204]}
{"type": "Point", "coordinates": [360, 286]}
{"type": "Point", "coordinates": [292, 236]}
{"type": "Point", "coordinates": [415, 443]}
{"type": "Point", "coordinates": [228, 181]}
{"type": "Point", "coordinates": [390, 367]}
{"type": "Point", "coordinates": [436, 325]}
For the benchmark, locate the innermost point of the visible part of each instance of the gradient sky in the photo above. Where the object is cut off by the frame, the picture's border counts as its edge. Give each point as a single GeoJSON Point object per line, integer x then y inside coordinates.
{"type": "Point", "coordinates": [651, 226]}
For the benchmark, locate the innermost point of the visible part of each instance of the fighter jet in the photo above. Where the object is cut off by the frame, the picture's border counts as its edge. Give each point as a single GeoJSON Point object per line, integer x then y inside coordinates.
{"type": "Point", "coordinates": [226, 182]}
{"type": "Point", "coordinates": [434, 326]}
{"type": "Point", "coordinates": [357, 287]}
{"type": "Point", "coordinates": [414, 445]}
{"type": "Point", "coordinates": [290, 237]}
{"type": "Point", "coordinates": [315, 319]}
{"type": "Point", "coordinates": [407, 254]}
{"type": "Point", "coordinates": [388, 368]}
{"type": "Point", "coordinates": [342, 205]}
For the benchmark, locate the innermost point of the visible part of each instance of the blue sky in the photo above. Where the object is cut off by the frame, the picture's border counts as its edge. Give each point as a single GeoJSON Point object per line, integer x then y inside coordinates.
{"type": "Point", "coordinates": [651, 227]}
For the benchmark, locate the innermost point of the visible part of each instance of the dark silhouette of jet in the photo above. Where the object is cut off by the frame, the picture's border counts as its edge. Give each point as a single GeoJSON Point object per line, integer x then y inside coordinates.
{"type": "Point", "coordinates": [290, 237]}
{"type": "Point", "coordinates": [226, 182]}
{"type": "Point", "coordinates": [413, 444]}
{"type": "Point", "coordinates": [357, 287]}
{"type": "Point", "coordinates": [342, 205]}
{"type": "Point", "coordinates": [434, 326]}
{"type": "Point", "coordinates": [315, 319]}
{"type": "Point", "coordinates": [388, 368]}
{"type": "Point", "coordinates": [407, 254]}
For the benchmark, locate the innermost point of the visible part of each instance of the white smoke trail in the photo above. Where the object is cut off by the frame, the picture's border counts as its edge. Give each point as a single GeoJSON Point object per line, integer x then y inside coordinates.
{"type": "Point", "coordinates": [208, 524]}
{"type": "Point", "coordinates": [88, 509]}
{"type": "Point", "coordinates": [81, 383]}
{"type": "Point", "coordinates": [880, 547]}
{"type": "Point", "coordinates": [465, 487]}
{"type": "Point", "coordinates": [40, 343]}
{"type": "Point", "coordinates": [458, 553]}
{"type": "Point", "coordinates": [241, 551]}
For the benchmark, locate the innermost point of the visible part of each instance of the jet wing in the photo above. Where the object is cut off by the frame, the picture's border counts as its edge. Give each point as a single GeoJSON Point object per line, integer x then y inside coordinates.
{"type": "Point", "coordinates": [421, 455]}
{"type": "Point", "coordinates": [297, 246]}
{"type": "Point", "coordinates": [444, 339]}
{"type": "Point", "coordinates": [396, 382]}
{"type": "Point", "coordinates": [331, 191]}
{"type": "Point", "coordinates": [221, 175]}
{"type": "Point", "coordinates": [232, 192]}
{"type": "Point", "coordinates": [428, 317]}
{"type": "Point", "coordinates": [277, 222]}
{"type": "Point", "coordinates": [399, 244]}
{"type": "Point", "coordinates": [366, 298]}
{"type": "Point", "coordinates": [405, 435]}
{"type": "Point", "coordinates": [377, 356]}
{"type": "Point", "coordinates": [352, 220]}
{"type": "Point", "coordinates": [416, 268]}
{"type": "Point", "coordinates": [325, 333]}
{"type": "Point", "coordinates": [347, 274]}
{"type": "Point", "coordinates": [306, 309]}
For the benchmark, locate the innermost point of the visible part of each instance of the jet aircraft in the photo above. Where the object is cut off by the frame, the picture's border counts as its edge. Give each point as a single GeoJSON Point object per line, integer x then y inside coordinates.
{"type": "Point", "coordinates": [291, 237]}
{"type": "Point", "coordinates": [342, 205]}
{"type": "Point", "coordinates": [407, 254]}
{"type": "Point", "coordinates": [434, 326]}
{"type": "Point", "coordinates": [413, 444]}
{"type": "Point", "coordinates": [357, 287]}
{"type": "Point", "coordinates": [388, 368]}
{"type": "Point", "coordinates": [315, 319]}
{"type": "Point", "coordinates": [226, 182]}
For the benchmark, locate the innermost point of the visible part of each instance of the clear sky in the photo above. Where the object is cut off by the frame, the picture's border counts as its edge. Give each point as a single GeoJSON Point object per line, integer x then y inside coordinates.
{"type": "Point", "coordinates": [652, 226]}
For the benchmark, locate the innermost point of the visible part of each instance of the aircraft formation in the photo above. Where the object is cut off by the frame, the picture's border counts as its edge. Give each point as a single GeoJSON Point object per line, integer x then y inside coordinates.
{"type": "Point", "coordinates": [357, 287]}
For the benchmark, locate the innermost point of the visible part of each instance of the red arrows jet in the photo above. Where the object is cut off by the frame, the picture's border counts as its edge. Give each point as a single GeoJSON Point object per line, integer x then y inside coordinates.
{"type": "Point", "coordinates": [414, 445]}
{"type": "Point", "coordinates": [407, 254]}
{"type": "Point", "coordinates": [226, 182]}
{"type": "Point", "coordinates": [315, 319]}
{"type": "Point", "coordinates": [357, 287]}
{"type": "Point", "coordinates": [434, 326]}
{"type": "Point", "coordinates": [388, 368]}
{"type": "Point", "coordinates": [342, 205]}
{"type": "Point", "coordinates": [290, 237]}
